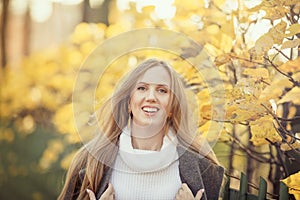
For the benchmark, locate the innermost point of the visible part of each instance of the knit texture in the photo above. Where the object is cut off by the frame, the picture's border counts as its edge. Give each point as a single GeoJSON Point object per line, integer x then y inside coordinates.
{"type": "Point", "coordinates": [146, 175]}
{"type": "Point", "coordinates": [157, 185]}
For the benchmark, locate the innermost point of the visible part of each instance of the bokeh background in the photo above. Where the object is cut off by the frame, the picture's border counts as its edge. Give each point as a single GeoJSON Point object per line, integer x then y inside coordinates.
{"type": "Point", "coordinates": [254, 45]}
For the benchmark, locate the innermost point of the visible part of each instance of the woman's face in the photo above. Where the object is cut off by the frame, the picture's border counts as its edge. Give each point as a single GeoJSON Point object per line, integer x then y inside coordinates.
{"type": "Point", "coordinates": [150, 98]}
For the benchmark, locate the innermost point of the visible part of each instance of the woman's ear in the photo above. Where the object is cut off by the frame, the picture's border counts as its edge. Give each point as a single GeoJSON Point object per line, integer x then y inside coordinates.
{"type": "Point", "coordinates": [129, 106]}
{"type": "Point", "coordinates": [129, 109]}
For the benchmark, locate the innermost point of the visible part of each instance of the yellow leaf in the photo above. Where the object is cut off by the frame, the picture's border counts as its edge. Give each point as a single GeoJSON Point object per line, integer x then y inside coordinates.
{"type": "Point", "coordinates": [296, 8]}
{"type": "Point", "coordinates": [296, 76]}
{"type": "Point", "coordinates": [276, 89]}
{"type": "Point", "coordinates": [263, 128]}
{"type": "Point", "coordinates": [250, 88]}
{"type": "Point", "coordinates": [292, 96]}
{"type": "Point", "coordinates": [289, 2]}
{"type": "Point", "coordinates": [291, 65]}
{"type": "Point", "coordinates": [288, 147]}
{"type": "Point", "coordinates": [240, 115]}
{"type": "Point", "coordinates": [293, 29]}
{"type": "Point", "coordinates": [213, 29]}
{"type": "Point", "coordinates": [228, 28]}
{"type": "Point", "coordinates": [269, 3]}
{"type": "Point", "coordinates": [243, 109]}
{"type": "Point", "coordinates": [293, 183]}
{"type": "Point", "coordinates": [276, 12]}
{"type": "Point", "coordinates": [263, 44]}
{"type": "Point", "coordinates": [225, 43]}
{"type": "Point", "coordinates": [278, 32]}
{"type": "Point", "coordinates": [291, 44]}
{"type": "Point", "coordinates": [257, 73]}
{"type": "Point", "coordinates": [206, 111]}
{"type": "Point", "coordinates": [222, 59]}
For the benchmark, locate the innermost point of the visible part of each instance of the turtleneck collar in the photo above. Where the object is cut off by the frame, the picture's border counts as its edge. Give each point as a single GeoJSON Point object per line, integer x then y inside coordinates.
{"type": "Point", "coordinates": [147, 160]}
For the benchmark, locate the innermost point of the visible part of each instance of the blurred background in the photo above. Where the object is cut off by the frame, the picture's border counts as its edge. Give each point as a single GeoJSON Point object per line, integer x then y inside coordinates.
{"type": "Point", "coordinates": [254, 45]}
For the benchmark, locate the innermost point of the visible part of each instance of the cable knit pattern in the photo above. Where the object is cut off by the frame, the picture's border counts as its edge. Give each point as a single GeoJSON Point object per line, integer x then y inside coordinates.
{"type": "Point", "coordinates": [132, 181]}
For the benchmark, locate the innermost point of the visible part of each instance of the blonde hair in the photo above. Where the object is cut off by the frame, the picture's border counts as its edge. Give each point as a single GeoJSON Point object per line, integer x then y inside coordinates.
{"type": "Point", "coordinates": [97, 155]}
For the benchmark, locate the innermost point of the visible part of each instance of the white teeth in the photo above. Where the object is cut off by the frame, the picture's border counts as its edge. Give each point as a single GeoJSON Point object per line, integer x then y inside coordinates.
{"type": "Point", "coordinates": [151, 110]}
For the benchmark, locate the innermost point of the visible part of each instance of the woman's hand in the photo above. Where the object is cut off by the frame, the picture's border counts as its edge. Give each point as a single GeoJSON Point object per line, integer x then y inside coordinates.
{"type": "Point", "coordinates": [108, 194]}
{"type": "Point", "coordinates": [184, 193]}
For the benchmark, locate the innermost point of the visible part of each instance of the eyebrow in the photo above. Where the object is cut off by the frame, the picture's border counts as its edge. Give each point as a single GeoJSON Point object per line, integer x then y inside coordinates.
{"type": "Point", "coordinates": [153, 84]}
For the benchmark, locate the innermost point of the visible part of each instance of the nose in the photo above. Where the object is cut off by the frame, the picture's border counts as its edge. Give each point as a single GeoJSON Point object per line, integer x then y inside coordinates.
{"type": "Point", "coordinates": [150, 96]}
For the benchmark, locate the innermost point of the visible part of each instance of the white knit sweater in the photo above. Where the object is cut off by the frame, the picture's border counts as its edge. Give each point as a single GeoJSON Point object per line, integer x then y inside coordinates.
{"type": "Point", "coordinates": [146, 175]}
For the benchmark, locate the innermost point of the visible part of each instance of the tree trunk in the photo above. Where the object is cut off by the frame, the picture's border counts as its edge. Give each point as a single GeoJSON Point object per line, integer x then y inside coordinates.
{"type": "Point", "coordinates": [232, 151]}
{"type": "Point", "coordinates": [251, 163]}
{"type": "Point", "coordinates": [3, 32]}
{"type": "Point", "coordinates": [27, 31]}
{"type": "Point", "coordinates": [96, 15]}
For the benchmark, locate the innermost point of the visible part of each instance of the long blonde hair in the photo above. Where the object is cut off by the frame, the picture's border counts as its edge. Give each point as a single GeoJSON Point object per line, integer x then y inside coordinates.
{"type": "Point", "coordinates": [98, 154]}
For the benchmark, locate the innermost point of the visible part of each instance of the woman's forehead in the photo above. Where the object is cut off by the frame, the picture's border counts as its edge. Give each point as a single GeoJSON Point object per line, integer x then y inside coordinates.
{"type": "Point", "coordinates": [156, 75]}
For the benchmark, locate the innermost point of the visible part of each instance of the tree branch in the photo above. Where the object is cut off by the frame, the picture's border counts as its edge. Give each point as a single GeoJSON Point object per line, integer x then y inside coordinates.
{"type": "Point", "coordinates": [248, 60]}
{"type": "Point", "coordinates": [289, 120]}
{"type": "Point", "coordinates": [281, 128]}
{"type": "Point", "coordinates": [279, 51]}
{"type": "Point", "coordinates": [280, 157]}
{"type": "Point", "coordinates": [296, 83]}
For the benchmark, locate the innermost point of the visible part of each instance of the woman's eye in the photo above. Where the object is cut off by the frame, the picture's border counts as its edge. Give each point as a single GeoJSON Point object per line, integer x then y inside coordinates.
{"type": "Point", "coordinates": [141, 88]}
{"type": "Point", "coordinates": [162, 90]}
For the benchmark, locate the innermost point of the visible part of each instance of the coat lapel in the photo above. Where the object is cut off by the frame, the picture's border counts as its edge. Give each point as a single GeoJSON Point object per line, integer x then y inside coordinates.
{"type": "Point", "coordinates": [104, 182]}
{"type": "Point", "coordinates": [190, 172]}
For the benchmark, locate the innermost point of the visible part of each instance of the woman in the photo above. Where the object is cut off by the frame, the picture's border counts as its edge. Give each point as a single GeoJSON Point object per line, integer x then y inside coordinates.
{"type": "Point", "coordinates": [146, 149]}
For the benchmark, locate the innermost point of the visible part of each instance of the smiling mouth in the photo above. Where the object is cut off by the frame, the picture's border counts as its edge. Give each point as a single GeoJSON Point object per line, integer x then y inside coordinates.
{"type": "Point", "coordinates": [150, 109]}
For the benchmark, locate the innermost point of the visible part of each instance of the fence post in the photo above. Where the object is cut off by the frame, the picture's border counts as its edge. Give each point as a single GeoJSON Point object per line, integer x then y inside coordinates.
{"type": "Point", "coordinates": [262, 192]}
{"type": "Point", "coordinates": [283, 192]}
{"type": "Point", "coordinates": [243, 187]}
{"type": "Point", "coordinates": [227, 190]}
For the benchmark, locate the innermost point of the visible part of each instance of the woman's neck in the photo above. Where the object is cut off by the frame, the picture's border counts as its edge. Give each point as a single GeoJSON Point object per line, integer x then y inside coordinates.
{"type": "Point", "coordinates": [146, 139]}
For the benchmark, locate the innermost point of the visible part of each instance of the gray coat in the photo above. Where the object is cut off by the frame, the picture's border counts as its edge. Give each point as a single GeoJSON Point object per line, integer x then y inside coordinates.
{"type": "Point", "coordinates": [196, 171]}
